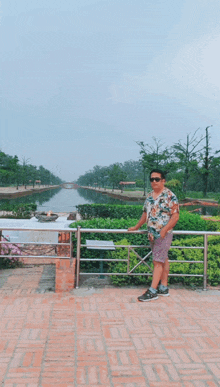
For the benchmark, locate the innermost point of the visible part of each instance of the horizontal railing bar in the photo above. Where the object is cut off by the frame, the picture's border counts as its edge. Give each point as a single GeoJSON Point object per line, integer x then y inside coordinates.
{"type": "Point", "coordinates": [144, 246]}
{"type": "Point", "coordinates": [34, 243]}
{"type": "Point", "coordinates": [142, 274]}
{"type": "Point", "coordinates": [125, 231]}
{"type": "Point", "coordinates": [103, 260]}
{"type": "Point", "coordinates": [172, 261]}
{"type": "Point", "coordinates": [118, 231]}
{"type": "Point", "coordinates": [71, 230]}
{"type": "Point", "coordinates": [33, 256]}
{"type": "Point", "coordinates": [117, 246]}
{"type": "Point", "coordinates": [187, 247]}
{"type": "Point", "coordinates": [126, 260]}
{"type": "Point", "coordinates": [186, 275]}
{"type": "Point", "coordinates": [115, 274]}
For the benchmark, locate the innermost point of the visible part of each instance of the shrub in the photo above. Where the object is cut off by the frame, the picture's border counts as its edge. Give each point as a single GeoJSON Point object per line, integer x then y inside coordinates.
{"type": "Point", "coordinates": [187, 222]}
{"type": "Point", "coordinates": [190, 222]}
{"type": "Point", "coordinates": [213, 270]}
{"type": "Point", "coordinates": [20, 211]}
{"type": "Point", "coordinates": [176, 187]}
{"type": "Point", "coordinates": [24, 211]}
{"type": "Point", "coordinates": [99, 223]}
{"type": "Point", "coordinates": [121, 267]}
{"type": "Point", "coordinates": [113, 211]}
{"type": "Point", "coordinates": [9, 249]}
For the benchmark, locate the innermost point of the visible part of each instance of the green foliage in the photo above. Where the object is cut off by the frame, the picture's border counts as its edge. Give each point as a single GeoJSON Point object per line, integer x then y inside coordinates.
{"type": "Point", "coordinates": [12, 173]}
{"type": "Point", "coordinates": [89, 211]}
{"type": "Point", "coordinates": [19, 211]}
{"type": "Point", "coordinates": [176, 187]}
{"type": "Point", "coordinates": [140, 183]}
{"type": "Point", "coordinates": [103, 176]}
{"type": "Point", "coordinates": [122, 267]}
{"type": "Point", "coordinates": [24, 211]}
{"type": "Point", "coordinates": [116, 174]}
{"type": "Point", "coordinates": [191, 222]}
{"type": "Point", "coordinates": [187, 222]}
{"type": "Point", "coordinates": [116, 224]}
{"type": "Point", "coordinates": [9, 263]}
{"type": "Point", "coordinates": [213, 270]}
{"type": "Point", "coordinates": [11, 254]}
{"type": "Point", "coordinates": [199, 195]}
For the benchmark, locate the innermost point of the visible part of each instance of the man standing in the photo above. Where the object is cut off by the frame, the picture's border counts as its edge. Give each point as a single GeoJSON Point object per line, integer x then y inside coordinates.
{"type": "Point", "coordinates": [161, 213]}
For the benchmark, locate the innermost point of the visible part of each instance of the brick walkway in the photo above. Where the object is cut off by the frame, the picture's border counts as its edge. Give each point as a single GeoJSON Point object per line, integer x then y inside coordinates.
{"type": "Point", "coordinates": [105, 338]}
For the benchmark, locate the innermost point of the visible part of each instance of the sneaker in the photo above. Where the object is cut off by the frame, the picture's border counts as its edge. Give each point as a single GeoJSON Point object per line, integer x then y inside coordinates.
{"type": "Point", "coordinates": [148, 296]}
{"type": "Point", "coordinates": [164, 293]}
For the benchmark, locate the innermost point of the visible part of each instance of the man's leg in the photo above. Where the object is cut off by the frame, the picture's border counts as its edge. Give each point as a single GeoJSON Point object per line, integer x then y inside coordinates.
{"type": "Point", "coordinates": [157, 274]}
{"type": "Point", "coordinates": [161, 270]}
{"type": "Point", "coordinates": [165, 273]}
{"type": "Point", "coordinates": [151, 294]}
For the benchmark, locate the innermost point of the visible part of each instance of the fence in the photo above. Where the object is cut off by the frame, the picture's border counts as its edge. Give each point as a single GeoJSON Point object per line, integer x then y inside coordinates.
{"type": "Point", "coordinates": [59, 251]}
{"type": "Point", "coordinates": [205, 235]}
{"type": "Point", "coordinates": [78, 232]}
{"type": "Point", "coordinates": [6, 242]}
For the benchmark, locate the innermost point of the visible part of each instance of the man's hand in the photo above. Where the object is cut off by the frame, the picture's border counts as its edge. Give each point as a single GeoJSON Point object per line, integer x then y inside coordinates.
{"type": "Point", "coordinates": [140, 223]}
{"type": "Point", "coordinates": [132, 228]}
{"type": "Point", "coordinates": [172, 222]}
{"type": "Point", "coordinates": [163, 233]}
{"type": "Point", "coordinates": [150, 237]}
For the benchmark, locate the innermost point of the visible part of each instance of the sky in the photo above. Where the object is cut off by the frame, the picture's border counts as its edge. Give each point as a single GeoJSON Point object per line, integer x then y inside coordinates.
{"type": "Point", "coordinates": [81, 81]}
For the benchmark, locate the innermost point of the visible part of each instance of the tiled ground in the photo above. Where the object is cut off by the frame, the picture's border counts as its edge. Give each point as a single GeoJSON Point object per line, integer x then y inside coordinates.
{"type": "Point", "coordinates": [105, 338]}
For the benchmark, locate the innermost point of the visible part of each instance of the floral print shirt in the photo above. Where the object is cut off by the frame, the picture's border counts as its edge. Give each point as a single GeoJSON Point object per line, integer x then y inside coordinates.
{"type": "Point", "coordinates": [159, 211]}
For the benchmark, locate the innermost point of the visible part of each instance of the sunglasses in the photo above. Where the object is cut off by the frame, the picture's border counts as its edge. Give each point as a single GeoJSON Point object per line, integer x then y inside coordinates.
{"type": "Point", "coordinates": [157, 179]}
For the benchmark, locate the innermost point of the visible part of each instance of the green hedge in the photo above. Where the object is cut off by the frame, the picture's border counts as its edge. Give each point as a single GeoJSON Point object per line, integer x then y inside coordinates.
{"type": "Point", "coordinates": [196, 255]}
{"type": "Point", "coordinates": [189, 222]}
{"type": "Point", "coordinates": [113, 211]}
{"type": "Point", "coordinates": [213, 270]}
{"type": "Point", "coordinates": [19, 211]}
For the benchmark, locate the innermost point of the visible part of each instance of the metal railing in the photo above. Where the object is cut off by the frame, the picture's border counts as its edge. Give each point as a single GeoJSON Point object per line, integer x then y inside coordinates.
{"type": "Point", "coordinates": [21, 244]}
{"type": "Point", "coordinates": [130, 248]}
{"type": "Point", "coordinates": [79, 231]}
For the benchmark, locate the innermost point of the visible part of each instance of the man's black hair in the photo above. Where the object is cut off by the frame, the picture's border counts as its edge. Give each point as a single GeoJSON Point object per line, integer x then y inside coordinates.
{"type": "Point", "coordinates": [157, 170]}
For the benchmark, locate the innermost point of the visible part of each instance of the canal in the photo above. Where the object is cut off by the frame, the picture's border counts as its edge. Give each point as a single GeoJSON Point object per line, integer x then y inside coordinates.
{"type": "Point", "coordinates": [64, 200]}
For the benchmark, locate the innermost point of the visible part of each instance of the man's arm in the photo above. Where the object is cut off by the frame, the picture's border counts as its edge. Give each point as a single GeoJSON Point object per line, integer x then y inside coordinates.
{"type": "Point", "coordinates": [172, 222]}
{"type": "Point", "coordinates": [140, 223]}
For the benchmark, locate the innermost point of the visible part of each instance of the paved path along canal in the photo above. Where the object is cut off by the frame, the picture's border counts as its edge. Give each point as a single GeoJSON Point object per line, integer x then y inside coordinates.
{"type": "Point", "coordinates": [105, 338]}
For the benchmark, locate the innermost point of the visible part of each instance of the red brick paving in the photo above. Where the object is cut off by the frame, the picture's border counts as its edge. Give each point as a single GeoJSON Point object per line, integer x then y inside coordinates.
{"type": "Point", "coordinates": [105, 338]}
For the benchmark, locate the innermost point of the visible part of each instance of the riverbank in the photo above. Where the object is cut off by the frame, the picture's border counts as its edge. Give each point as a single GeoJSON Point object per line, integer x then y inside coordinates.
{"type": "Point", "coordinates": [13, 192]}
{"type": "Point", "coordinates": [139, 196]}
{"type": "Point", "coordinates": [118, 194]}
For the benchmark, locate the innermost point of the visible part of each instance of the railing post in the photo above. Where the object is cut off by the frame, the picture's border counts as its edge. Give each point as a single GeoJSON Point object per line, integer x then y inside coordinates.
{"type": "Point", "coordinates": [71, 245]}
{"type": "Point", "coordinates": [0, 241]}
{"type": "Point", "coordinates": [78, 235]}
{"type": "Point", "coordinates": [205, 261]}
{"type": "Point", "coordinates": [128, 265]}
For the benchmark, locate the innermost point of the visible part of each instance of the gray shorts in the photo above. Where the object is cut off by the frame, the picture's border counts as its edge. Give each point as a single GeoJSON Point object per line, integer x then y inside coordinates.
{"type": "Point", "coordinates": [160, 248]}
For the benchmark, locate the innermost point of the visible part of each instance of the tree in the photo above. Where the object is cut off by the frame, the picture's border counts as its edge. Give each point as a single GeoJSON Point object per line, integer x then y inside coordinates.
{"type": "Point", "coordinates": [187, 156]}
{"type": "Point", "coordinates": [154, 156]}
{"type": "Point", "coordinates": [116, 174]}
{"type": "Point", "coordinates": [206, 162]}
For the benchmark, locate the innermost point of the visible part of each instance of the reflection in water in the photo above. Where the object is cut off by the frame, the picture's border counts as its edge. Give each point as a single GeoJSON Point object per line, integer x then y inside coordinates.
{"type": "Point", "coordinates": [37, 198]}
{"type": "Point", "coordinates": [99, 198]}
{"type": "Point", "coordinates": [66, 200]}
